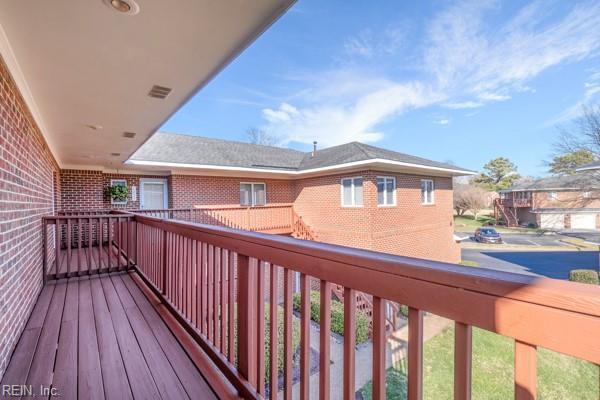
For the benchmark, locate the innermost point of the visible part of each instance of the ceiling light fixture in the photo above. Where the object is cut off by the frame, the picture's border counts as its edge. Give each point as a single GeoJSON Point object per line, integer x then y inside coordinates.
{"type": "Point", "coordinates": [128, 7]}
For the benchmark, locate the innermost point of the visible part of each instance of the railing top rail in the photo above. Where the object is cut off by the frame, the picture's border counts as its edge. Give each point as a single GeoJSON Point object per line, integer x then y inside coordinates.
{"type": "Point", "coordinates": [85, 216]}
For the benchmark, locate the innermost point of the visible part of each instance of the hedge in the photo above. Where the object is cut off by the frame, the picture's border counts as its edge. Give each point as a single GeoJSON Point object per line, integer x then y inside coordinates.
{"type": "Point", "coordinates": [337, 316]}
{"type": "Point", "coordinates": [584, 276]}
{"type": "Point", "coordinates": [280, 339]}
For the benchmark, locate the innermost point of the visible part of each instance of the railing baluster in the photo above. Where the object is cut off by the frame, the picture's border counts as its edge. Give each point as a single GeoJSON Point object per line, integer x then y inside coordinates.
{"type": "Point", "coordinates": [260, 321]}
{"type": "Point", "coordinates": [205, 296]}
{"type": "Point", "coordinates": [247, 319]}
{"type": "Point", "coordinates": [68, 247]}
{"type": "Point", "coordinates": [304, 336]}
{"type": "Point", "coordinates": [89, 252]}
{"type": "Point", "coordinates": [273, 330]}
{"type": "Point", "coordinates": [349, 343]}
{"type": "Point", "coordinates": [415, 354]}
{"type": "Point", "coordinates": [231, 316]}
{"type": "Point", "coordinates": [58, 240]}
{"type": "Point", "coordinates": [194, 282]}
{"type": "Point", "coordinates": [462, 361]}
{"type": "Point", "coordinates": [224, 258]}
{"type": "Point", "coordinates": [324, 344]}
{"type": "Point", "coordinates": [525, 371]}
{"type": "Point", "coordinates": [379, 347]}
{"type": "Point", "coordinates": [210, 281]}
{"type": "Point", "coordinates": [100, 244]}
{"type": "Point", "coordinates": [79, 233]}
{"type": "Point", "coordinates": [288, 346]}
{"type": "Point", "coordinates": [216, 299]}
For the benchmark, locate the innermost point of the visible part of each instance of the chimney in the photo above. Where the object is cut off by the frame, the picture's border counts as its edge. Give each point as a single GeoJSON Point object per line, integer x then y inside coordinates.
{"type": "Point", "coordinates": [314, 148]}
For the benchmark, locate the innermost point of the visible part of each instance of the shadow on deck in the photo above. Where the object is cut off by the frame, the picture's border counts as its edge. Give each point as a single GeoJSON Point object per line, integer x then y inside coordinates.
{"type": "Point", "coordinates": [106, 336]}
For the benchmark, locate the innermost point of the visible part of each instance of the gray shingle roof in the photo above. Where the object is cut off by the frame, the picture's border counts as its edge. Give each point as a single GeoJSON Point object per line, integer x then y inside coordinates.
{"type": "Point", "coordinates": [185, 149]}
{"type": "Point", "coordinates": [581, 180]}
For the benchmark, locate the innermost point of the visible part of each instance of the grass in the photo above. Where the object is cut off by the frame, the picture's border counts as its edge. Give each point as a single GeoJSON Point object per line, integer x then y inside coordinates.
{"type": "Point", "coordinates": [468, 223]}
{"type": "Point", "coordinates": [469, 263]}
{"type": "Point", "coordinates": [559, 377]}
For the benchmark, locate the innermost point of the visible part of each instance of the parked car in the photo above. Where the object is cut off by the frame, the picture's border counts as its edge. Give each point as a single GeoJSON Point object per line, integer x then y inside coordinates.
{"type": "Point", "coordinates": [487, 235]}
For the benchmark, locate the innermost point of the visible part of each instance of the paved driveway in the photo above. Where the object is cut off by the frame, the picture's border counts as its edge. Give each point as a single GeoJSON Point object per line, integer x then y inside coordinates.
{"type": "Point", "coordinates": [553, 264]}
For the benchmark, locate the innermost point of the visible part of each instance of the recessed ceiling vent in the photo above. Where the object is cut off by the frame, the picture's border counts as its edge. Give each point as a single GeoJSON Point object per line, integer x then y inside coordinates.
{"type": "Point", "coordinates": [129, 135]}
{"type": "Point", "coordinates": [159, 92]}
{"type": "Point", "coordinates": [115, 154]}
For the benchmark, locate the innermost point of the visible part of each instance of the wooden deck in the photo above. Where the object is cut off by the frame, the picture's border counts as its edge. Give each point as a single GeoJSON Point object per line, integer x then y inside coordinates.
{"type": "Point", "coordinates": [87, 259]}
{"type": "Point", "coordinates": [101, 337]}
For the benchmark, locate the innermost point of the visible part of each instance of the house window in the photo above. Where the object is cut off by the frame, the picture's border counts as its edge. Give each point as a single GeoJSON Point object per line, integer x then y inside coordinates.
{"type": "Point", "coordinates": [386, 191]}
{"type": "Point", "coordinates": [427, 189]}
{"type": "Point", "coordinates": [253, 194]}
{"type": "Point", "coordinates": [552, 195]}
{"type": "Point", "coordinates": [352, 192]}
{"type": "Point", "coordinates": [118, 182]}
{"type": "Point", "coordinates": [587, 195]}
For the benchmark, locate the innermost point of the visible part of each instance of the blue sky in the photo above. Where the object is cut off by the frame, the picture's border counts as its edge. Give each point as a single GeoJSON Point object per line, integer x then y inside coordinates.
{"type": "Point", "coordinates": [451, 81]}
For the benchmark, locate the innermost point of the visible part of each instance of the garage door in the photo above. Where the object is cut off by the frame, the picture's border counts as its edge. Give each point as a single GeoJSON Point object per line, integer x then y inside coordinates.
{"type": "Point", "coordinates": [552, 221]}
{"type": "Point", "coordinates": [583, 221]}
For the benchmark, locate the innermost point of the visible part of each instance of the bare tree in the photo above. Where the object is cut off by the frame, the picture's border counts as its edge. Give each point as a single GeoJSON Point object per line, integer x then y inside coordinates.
{"type": "Point", "coordinates": [470, 198]}
{"type": "Point", "coordinates": [259, 136]}
{"type": "Point", "coordinates": [582, 134]}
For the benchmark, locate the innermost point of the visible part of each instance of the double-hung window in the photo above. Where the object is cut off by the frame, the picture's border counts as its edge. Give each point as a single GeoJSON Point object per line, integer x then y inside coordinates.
{"type": "Point", "coordinates": [427, 191]}
{"type": "Point", "coordinates": [352, 192]}
{"type": "Point", "coordinates": [386, 191]}
{"type": "Point", "coordinates": [253, 194]}
{"type": "Point", "coordinates": [552, 195]}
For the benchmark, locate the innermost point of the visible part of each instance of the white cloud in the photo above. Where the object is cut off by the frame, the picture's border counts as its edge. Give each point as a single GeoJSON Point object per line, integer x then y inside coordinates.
{"type": "Point", "coordinates": [590, 92]}
{"type": "Point", "coordinates": [468, 60]}
{"type": "Point", "coordinates": [442, 121]}
{"type": "Point", "coordinates": [488, 96]}
{"type": "Point", "coordinates": [463, 105]}
{"type": "Point", "coordinates": [369, 44]}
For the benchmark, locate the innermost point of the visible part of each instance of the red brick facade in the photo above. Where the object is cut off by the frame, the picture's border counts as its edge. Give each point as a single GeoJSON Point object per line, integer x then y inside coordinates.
{"type": "Point", "coordinates": [29, 183]}
{"type": "Point", "coordinates": [409, 228]}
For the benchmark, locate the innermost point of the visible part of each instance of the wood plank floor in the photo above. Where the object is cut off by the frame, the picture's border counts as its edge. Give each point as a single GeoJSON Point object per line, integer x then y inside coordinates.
{"type": "Point", "coordinates": [80, 261]}
{"type": "Point", "coordinates": [99, 337]}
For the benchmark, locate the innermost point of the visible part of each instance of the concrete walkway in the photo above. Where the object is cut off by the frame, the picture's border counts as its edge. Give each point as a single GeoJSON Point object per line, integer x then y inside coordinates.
{"type": "Point", "coordinates": [395, 352]}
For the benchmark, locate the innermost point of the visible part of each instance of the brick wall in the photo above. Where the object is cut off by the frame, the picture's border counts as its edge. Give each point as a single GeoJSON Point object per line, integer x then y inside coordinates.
{"type": "Point", "coordinates": [409, 228]}
{"type": "Point", "coordinates": [84, 190]}
{"type": "Point", "coordinates": [29, 187]}
{"type": "Point", "coordinates": [188, 191]}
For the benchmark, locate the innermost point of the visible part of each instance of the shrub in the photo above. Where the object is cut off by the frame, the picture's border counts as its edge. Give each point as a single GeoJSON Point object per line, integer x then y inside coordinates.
{"type": "Point", "coordinates": [584, 276]}
{"type": "Point", "coordinates": [280, 336]}
{"type": "Point", "coordinates": [280, 339]}
{"type": "Point", "coordinates": [337, 316]}
{"type": "Point", "coordinates": [404, 310]}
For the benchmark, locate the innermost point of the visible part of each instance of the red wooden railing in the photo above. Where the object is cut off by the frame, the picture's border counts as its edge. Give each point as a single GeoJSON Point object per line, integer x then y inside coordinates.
{"type": "Point", "coordinates": [76, 245]}
{"type": "Point", "coordinates": [300, 230]}
{"type": "Point", "coordinates": [214, 281]}
{"type": "Point", "coordinates": [190, 266]}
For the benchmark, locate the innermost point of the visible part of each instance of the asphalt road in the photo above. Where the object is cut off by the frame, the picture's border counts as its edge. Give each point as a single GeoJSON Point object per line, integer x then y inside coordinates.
{"type": "Point", "coordinates": [553, 264]}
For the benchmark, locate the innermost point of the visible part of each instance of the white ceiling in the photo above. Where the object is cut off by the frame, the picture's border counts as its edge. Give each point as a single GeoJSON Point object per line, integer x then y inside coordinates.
{"type": "Point", "coordinates": [80, 62]}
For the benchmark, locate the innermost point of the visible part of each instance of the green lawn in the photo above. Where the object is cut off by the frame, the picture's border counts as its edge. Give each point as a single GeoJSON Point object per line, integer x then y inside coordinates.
{"type": "Point", "coordinates": [559, 377]}
{"type": "Point", "coordinates": [467, 223]}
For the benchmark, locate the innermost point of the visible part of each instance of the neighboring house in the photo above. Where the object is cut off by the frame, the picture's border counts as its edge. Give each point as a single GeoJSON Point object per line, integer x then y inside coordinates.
{"type": "Point", "coordinates": [557, 202]}
{"type": "Point", "coordinates": [353, 194]}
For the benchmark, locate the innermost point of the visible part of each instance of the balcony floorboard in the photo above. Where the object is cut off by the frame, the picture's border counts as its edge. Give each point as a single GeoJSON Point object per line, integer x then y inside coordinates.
{"type": "Point", "coordinates": [100, 337]}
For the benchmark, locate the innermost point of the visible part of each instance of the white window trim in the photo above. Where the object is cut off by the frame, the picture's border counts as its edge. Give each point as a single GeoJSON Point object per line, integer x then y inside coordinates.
{"type": "Point", "coordinates": [432, 202]}
{"type": "Point", "coordinates": [394, 203]}
{"type": "Point", "coordinates": [154, 180]}
{"type": "Point", "coordinates": [252, 194]}
{"type": "Point", "coordinates": [353, 205]}
{"type": "Point", "coordinates": [112, 183]}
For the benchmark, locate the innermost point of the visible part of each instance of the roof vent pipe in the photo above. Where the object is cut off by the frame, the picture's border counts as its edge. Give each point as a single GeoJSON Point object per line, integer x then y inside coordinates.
{"type": "Point", "coordinates": [314, 148]}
